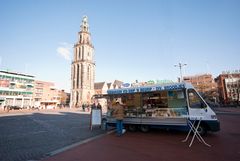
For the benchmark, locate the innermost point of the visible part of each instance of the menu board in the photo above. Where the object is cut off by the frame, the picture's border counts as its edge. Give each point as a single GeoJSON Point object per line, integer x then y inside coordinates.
{"type": "Point", "coordinates": [96, 117]}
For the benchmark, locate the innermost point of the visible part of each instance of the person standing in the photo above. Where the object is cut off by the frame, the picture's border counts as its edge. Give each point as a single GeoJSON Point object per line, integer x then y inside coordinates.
{"type": "Point", "coordinates": [99, 106]}
{"type": "Point", "coordinates": [118, 113]}
{"type": "Point", "coordinates": [83, 107]}
{"type": "Point", "coordinates": [94, 106]}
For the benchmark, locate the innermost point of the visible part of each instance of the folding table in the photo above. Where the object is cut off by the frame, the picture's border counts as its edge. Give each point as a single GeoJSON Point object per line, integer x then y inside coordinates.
{"type": "Point", "coordinates": [194, 129]}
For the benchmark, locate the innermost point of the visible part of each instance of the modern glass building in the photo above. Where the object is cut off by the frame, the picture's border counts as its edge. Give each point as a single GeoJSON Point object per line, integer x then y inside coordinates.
{"type": "Point", "coordinates": [16, 89]}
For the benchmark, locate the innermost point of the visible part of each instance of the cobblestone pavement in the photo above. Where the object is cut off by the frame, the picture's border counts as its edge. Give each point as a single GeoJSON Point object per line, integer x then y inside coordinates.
{"type": "Point", "coordinates": [161, 145]}
{"type": "Point", "coordinates": [31, 135]}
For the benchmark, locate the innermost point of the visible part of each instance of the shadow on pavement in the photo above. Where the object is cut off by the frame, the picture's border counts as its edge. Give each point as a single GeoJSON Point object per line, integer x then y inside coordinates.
{"type": "Point", "coordinates": [32, 136]}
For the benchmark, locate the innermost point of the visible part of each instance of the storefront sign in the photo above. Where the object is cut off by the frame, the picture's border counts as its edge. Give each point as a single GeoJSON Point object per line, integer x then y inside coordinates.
{"type": "Point", "coordinates": [152, 82]}
{"type": "Point", "coordinates": [231, 72]}
{"type": "Point", "coordinates": [146, 89]}
{"type": "Point", "coordinates": [125, 85]}
{"type": "Point", "coordinates": [164, 81]}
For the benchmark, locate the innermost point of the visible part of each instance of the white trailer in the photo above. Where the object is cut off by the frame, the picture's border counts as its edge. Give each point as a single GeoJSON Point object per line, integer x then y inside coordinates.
{"type": "Point", "coordinates": [163, 106]}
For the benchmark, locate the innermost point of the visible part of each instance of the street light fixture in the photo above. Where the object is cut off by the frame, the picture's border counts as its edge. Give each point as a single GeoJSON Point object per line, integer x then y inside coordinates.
{"type": "Point", "coordinates": [180, 65]}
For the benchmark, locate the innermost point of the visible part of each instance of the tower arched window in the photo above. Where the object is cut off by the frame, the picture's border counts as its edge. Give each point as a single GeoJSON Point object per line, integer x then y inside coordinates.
{"type": "Point", "coordinates": [78, 76]}
{"type": "Point", "coordinates": [89, 72]}
{"type": "Point", "coordinates": [73, 72]}
{"type": "Point", "coordinates": [73, 77]}
{"type": "Point", "coordinates": [81, 76]}
{"type": "Point", "coordinates": [87, 40]}
{"type": "Point", "coordinates": [79, 53]}
{"type": "Point", "coordinates": [80, 39]}
{"type": "Point", "coordinates": [83, 52]}
{"type": "Point", "coordinates": [75, 54]}
{"type": "Point", "coordinates": [76, 97]}
{"type": "Point", "coordinates": [88, 56]}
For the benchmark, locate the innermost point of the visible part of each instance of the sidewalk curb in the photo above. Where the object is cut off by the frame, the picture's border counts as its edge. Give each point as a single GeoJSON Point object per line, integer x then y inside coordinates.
{"type": "Point", "coordinates": [55, 152]}
{"type": "Point", "coordinates": [227, 113]}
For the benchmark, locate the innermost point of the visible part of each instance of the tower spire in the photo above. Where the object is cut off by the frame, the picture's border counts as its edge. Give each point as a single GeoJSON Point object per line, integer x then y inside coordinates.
{"type": "Point", "coordinates": [85, 26]}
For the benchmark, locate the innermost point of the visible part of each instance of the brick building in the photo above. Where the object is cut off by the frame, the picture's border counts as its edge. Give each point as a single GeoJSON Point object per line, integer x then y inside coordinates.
{"type": "Point", "coordinates": [229, 87]}
{"type": "Point", "coordinates": [203, 83]}
{"type": "Point", "coordinates": [47, 96]}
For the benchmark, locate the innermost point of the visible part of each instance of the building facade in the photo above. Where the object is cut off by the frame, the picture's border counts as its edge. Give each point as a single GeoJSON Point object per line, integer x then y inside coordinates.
{"type": "Point", "coordinates": [65, 98]}
{"type": "Point", "coordinates": [82, 68]}
{"type": "Point", "coordinates": [102, 87]}
{"type": "Point", "coordinates": [206, 86]}
{"type": "Point", "coordinates": [203, 83]}
{"type": "Point", "coordinates": [16, 89]}
{"type": "Point", "coordinates": [46, 96]}
{"type": "Point", "coordinates": [229, 88]}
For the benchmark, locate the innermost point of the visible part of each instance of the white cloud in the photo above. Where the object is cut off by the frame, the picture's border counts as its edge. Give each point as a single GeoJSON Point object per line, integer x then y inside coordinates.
{"type": "Point", "coordinates": [65, 50]}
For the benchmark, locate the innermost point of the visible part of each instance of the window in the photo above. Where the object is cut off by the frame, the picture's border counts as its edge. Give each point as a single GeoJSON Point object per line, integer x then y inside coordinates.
{"type": "Point", "coordinates": [78, 70]}
{"type": "Point", "coordinates": [83, 53]}
{"type": "Point", "coordinates": [88, 72]}
{"type": "Point", "coordinates": [155, 100]}
{"type": "Point", "coordinates": [88, 54]}
{"type": "Point", "coordinates": [79, 54]}
{"type": "Point", "coordinates": [81, 76]}
{"type": "Point", "coordinates": [77, 97]}
{"type": "Point", "coordinates": [194, 100]}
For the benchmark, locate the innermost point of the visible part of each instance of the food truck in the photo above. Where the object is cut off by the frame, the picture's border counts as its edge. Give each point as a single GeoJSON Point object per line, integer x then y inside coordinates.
{"type": "Point", "coordinates": [161, 106]}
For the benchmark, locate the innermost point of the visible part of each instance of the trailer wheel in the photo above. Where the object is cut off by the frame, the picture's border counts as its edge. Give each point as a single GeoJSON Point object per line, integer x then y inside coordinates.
{"type": "Point", "coordinates": [132, 128]}
{"type": "Point", "coordinates": [144, 128]}
{"type": "Point", "coordinates": [202, 129]}
{"type": "Point", "coordinates": [104, 124]}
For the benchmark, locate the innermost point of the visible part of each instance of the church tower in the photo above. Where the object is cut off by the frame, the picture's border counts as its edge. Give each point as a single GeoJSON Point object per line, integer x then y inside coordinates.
{"type": "Point", "coordinates": [82, 68]}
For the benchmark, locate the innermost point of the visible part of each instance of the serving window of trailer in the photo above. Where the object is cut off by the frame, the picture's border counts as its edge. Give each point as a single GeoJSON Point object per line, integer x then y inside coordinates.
{"type": "Point", "coordinates": [164, 104]}
{"type": "Point", "coordinates": [152, 104]}
{"type": "Point", "coordinates": [132, 104]}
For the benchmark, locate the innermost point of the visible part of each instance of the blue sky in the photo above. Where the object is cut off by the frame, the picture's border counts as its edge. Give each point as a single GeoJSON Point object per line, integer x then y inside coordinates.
{"type": "Point", "coordinates": [133, 39]}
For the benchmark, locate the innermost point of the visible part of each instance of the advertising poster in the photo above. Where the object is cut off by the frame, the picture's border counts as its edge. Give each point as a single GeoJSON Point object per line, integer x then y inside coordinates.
{"type": "Point", "coordinates": [4, 83]}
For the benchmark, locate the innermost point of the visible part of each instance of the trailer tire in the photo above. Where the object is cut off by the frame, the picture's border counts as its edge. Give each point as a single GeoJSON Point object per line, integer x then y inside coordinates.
{"type": "Point", "coordinates": [132, 128]}
{"type": "Point", "coordinates": [144, 128]}
{"type": "Point", "coordinates": [202, 130]}
{"type": "Point", "coordinates": [104, 124]}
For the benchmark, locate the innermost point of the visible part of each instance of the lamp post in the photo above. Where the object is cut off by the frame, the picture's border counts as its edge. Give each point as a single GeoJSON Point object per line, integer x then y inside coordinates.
{"type": "Point", "coordinates": [180, 65]}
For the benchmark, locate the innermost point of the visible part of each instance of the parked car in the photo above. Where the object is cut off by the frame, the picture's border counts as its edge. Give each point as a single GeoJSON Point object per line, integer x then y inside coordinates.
{"type": "Point", "coordinates": [15, 108]}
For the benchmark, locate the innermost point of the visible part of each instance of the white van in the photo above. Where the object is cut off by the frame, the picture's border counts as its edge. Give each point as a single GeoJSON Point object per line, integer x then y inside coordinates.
{"type": "Point", "coordinates": [161, 106]}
